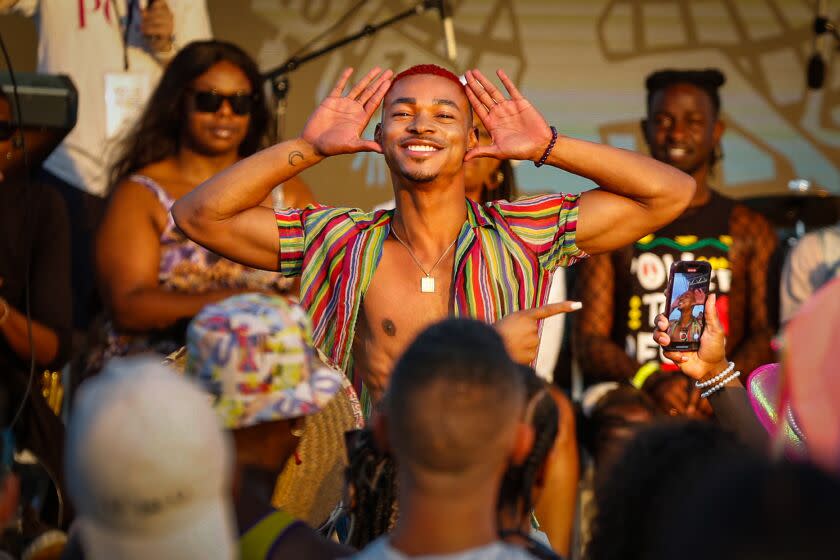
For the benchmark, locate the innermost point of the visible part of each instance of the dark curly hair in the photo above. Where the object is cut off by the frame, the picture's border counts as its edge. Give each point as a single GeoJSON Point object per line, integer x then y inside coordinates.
{"type": "Point", "coordinates": [754, 510]}
{"type": "Point", "coordinates": [655, 469]}
{"type": "Point", "coordinates": [709, 80]}
{"type": "Point", "coordinates": [157, 133]}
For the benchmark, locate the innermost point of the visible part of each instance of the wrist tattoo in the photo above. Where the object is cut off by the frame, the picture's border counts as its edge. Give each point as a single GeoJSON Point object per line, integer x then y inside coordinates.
{"type": "Point", "coordinates": [295, 157]}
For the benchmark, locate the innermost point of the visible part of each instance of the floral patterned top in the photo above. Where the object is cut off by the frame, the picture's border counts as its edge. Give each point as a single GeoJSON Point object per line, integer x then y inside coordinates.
{"type": "Point", "coordinates": [186, 267]}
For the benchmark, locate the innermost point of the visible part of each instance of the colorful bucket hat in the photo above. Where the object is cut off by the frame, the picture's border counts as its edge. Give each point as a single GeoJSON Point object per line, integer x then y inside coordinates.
{"type": "Point", "coordinates": [254, 354]}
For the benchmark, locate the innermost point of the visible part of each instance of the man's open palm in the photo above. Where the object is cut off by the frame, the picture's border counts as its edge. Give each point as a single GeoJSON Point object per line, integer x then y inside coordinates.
{"type": "Point", "coordinates": [337, 124]}
{"type": "Point", "coordinates": [518, 130]}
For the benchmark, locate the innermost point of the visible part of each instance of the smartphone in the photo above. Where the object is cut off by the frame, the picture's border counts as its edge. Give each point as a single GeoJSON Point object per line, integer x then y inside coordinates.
{"type": "Point", "coordinates": [688, 288]}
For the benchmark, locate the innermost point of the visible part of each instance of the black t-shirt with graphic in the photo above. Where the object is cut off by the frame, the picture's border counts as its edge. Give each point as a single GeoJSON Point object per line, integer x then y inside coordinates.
{"type": "Point", "coordinates": [642, 269]}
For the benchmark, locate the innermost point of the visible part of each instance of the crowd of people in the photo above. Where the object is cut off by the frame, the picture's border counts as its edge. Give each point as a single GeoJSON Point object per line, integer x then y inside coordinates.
{"type": "Point", "coordinates": [258, 375]}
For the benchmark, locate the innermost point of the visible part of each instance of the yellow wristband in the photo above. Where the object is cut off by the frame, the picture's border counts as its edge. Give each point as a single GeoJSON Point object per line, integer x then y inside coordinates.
{"type": "Point", "coordinates": [643, 373]}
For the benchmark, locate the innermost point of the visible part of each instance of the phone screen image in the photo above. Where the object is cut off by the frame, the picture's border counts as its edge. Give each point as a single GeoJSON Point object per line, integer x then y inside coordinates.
{"type": "Point", "coordinates": [686, 304]}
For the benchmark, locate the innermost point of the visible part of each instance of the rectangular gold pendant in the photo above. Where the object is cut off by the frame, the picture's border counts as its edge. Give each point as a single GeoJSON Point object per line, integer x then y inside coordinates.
{"type": "Point", "coordinates": [427, 285]}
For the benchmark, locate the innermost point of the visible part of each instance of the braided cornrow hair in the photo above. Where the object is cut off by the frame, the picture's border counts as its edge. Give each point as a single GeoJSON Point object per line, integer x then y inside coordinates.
{"type": "Point", "coordinates": [371, 489]}
{"type": "Point", "coordinates": [516, 493]}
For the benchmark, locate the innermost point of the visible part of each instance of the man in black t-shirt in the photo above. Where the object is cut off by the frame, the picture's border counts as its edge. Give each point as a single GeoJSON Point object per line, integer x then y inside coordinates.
{"type": "Point", "coordinates": [622, 292]}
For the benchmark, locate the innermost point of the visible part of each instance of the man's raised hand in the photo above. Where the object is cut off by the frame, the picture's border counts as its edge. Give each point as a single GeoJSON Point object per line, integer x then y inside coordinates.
{"type": "Point", "coordinates": [520, 330]}
{"type": "Point", "coordinates": [518, 130]}
{"type": "Point", "coordinates": [337, 124]}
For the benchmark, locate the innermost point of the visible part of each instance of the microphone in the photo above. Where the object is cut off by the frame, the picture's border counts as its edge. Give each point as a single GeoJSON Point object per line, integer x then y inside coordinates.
{"type": "Point", "coordinates": [448, 31]}
{"type": "Point", "coordinates": [448, 27]}
{"type": "Point", "coordinates": [815, 74]}
{"type": "Point", "coordinates": [816, 71]}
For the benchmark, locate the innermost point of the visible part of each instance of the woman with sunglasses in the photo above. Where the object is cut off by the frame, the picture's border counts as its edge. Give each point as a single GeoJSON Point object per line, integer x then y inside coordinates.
{"type": "Point", "coordinates": [206, 114]}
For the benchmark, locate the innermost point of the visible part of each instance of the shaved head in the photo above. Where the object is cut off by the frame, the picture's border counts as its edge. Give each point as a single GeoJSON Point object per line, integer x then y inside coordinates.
{"type": "Point", "coordinates": [454, 400]}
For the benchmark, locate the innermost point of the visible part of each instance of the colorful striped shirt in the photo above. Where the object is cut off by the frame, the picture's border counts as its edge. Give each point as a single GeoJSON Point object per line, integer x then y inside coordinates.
{"type": "Point", "coordinates": [504, 257]}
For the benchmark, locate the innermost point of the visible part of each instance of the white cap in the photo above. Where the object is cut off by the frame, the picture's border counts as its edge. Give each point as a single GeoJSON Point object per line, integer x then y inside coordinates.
{"type": "Point", "coordinates": [148, 467]}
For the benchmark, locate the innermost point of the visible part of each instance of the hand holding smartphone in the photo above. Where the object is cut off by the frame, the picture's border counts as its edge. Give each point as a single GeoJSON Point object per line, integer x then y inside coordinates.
{"type": "Point", "coordinates": [688, 288]}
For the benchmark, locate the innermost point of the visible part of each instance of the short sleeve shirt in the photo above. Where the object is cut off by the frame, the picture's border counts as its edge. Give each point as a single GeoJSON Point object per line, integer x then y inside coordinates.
{"type": "Point", "coordinates": [505, 254]}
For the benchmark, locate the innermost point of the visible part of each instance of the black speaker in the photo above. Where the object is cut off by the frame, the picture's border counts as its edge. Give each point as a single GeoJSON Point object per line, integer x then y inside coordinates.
{"type": "Point", "coordinates": [46, 100]}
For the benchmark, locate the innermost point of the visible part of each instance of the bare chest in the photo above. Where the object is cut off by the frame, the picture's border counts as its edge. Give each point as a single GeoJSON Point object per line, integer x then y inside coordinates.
{"type": "Point", "coordinates": [402, 300]}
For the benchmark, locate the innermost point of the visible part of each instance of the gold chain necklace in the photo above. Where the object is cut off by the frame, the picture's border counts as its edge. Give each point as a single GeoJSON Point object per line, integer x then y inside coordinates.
{"type": "Point", "coordinates": [427, 283]}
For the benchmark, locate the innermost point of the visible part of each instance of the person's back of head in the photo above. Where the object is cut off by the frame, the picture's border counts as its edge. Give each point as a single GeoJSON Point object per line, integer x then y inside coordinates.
{"type": "Point", "coordinates": [754, 510]}
{"type": "Point", "coordinates": [612, 415]}
{"type": "Point", "coordinates": [655, 469]}
{"type": "Point", "coordinates": [453, 408]}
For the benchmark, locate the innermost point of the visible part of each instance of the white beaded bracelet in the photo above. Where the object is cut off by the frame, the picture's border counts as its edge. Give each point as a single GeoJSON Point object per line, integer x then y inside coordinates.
{"type": "Point", "coordinates": [715, 379]}
{"type": "Point", "coordinates": [720, 385]}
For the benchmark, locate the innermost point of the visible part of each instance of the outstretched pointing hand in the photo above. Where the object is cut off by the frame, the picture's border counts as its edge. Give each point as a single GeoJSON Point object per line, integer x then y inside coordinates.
{"type": "Point", "coordinates": [520, 330]}
{"type": "Point", "coordinates": [518, 130]}
{"type": "Point", "coordinates": [337, 124]}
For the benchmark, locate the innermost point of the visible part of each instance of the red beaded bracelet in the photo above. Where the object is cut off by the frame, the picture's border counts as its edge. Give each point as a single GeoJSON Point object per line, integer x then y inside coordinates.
{"type": "Point", "coordinates": [547, 150]}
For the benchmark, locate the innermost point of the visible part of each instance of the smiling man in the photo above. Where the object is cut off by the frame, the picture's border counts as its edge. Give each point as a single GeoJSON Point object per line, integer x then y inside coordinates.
{"type": "Point", "coordinates": [622, 292]}
{"type": "Point", "coordinates": [373, 280]}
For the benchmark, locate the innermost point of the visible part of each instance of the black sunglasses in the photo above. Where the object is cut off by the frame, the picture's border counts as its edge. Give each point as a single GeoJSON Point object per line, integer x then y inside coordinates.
{"type": "Point", "coordinates": [211, 101]}
{"type": "Point", "coordinates": [7, 130]}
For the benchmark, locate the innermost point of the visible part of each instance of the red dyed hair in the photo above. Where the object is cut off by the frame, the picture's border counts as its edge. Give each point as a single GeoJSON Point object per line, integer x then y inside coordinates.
{"type": "Point", "coordinates": [422, 69]}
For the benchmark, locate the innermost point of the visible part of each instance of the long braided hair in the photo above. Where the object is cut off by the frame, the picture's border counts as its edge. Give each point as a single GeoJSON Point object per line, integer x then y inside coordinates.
{"type": "Point", "coordinates": [516, 494]}
{"type": "Point", "coordinates": [371, 489]}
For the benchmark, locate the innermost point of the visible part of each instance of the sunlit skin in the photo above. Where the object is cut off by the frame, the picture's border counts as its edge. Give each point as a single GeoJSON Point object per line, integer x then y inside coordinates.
{"type": "Point", "coordinates": [221, 132]}
{"type": "Point", "coordinates": [684, 304]}
{"type": "Point", "coordinates": [433, 113]}
{"type": "Point", "coordinates": [682, 130]}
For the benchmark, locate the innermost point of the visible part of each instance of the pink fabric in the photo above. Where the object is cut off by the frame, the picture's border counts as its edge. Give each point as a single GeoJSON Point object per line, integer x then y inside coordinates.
{"type": "Point", "coordinates": [810, 374]}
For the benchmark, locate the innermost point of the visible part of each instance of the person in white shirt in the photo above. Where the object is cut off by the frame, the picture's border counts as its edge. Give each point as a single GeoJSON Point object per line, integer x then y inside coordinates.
{"type": "Point", "coordinates": [114, 51]}
{"type": "Point", "coordinates": [449, 418]}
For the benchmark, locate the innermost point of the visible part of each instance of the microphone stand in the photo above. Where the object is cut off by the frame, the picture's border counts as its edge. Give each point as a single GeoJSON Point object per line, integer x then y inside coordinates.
{"type": "Point", "coordinates": [279, 75]}
{"type": "Point", "coordinates": [824, 25]}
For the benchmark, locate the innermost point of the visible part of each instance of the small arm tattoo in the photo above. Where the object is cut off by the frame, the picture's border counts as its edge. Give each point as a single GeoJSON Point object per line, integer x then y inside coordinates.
{"type": "Point", "coordinates": [389, 327]}
{"type": "Point", "coordinates": [295, 157]}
